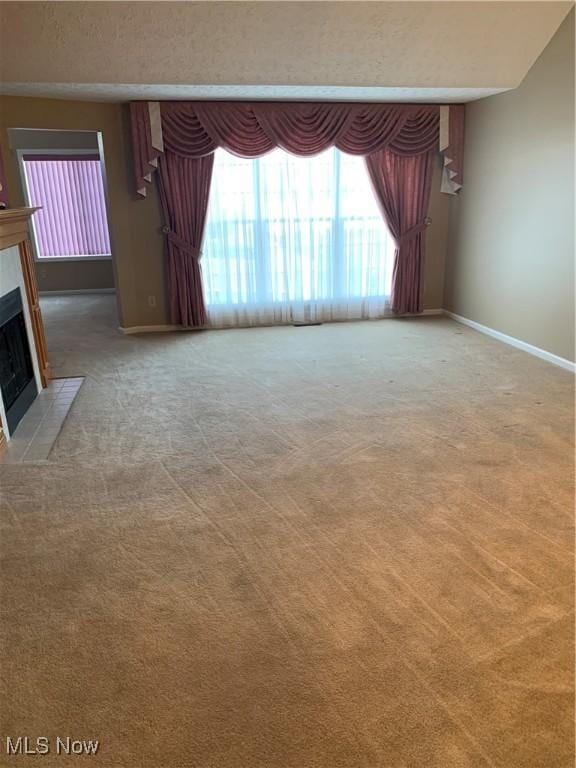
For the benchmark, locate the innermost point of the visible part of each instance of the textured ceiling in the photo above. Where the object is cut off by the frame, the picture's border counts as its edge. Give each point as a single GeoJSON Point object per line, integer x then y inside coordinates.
{"type": "Point", "coordinates": [406, 45]}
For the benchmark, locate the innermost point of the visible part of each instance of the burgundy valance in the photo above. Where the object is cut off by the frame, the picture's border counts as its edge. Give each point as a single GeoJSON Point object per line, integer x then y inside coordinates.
{"type": "Point", "coordinates": [251, 129]}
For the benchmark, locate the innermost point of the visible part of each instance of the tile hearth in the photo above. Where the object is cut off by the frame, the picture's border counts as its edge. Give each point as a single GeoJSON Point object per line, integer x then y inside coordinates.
{"type": "Point", "coordinates": [36, 434]}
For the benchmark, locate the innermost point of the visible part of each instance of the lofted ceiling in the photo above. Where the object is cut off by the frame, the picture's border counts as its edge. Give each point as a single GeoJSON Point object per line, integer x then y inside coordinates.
{"type": "Point", "coordinates": [395, 51]}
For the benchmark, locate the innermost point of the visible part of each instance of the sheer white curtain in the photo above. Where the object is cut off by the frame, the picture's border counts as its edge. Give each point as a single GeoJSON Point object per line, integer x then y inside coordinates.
{"type": "Point", "coordinates": [291, 239]}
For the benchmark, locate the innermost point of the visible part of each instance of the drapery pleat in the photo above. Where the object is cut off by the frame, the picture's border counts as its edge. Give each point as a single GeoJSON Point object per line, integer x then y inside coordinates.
{"type": "Point", "coordinates": [145, 149]}
{"type": "Point", "coordinates": [251, 129]}
{"type": "Point", "coordinates": [452, 146]}
{"type": "Point", "coordinates": [402, 185]}
{"type": "Point", "coordinates": [184, 184]}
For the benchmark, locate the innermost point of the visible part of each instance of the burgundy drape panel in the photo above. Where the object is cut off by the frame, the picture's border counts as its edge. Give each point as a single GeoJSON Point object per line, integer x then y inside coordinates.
{"type": "Point", "coordinates": [402, 185]}
{"type": "Point", "coordinates": [145, 150]}
{"type": "Point", "coordinates": [452, 146]}
{"type": "Point", "coordinates": [396, 138]}
{"type": "Point", "coordinates": [184, 184]}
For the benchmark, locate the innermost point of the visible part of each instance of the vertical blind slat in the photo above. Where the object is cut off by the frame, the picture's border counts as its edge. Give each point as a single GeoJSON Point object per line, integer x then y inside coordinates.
{"type": "Point", "coordinates": [73, 219]}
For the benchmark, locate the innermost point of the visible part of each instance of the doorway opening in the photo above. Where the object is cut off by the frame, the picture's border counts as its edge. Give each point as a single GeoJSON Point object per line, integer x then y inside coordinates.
{"type": "Point", "coordinates": [63, 173]}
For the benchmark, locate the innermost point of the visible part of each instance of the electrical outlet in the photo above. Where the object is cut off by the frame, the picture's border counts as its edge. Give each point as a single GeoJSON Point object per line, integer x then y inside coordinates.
{"type": "Point", "coordinates": [151, 301]}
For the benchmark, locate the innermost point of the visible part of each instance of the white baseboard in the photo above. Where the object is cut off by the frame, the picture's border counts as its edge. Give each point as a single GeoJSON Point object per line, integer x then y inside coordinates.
{"type": "Point", "coordinates": [430, 312]}
{"type": "Point", "coordinates": [81, 290]}
{"type": "Point", "coordinates": [151, 329]}
{"type": "Point", "coordinates": [513, 342]}
{"type": "Point", "coordinates": [394, 316]}
{"type": "Point", "coordinates": [169, 328]}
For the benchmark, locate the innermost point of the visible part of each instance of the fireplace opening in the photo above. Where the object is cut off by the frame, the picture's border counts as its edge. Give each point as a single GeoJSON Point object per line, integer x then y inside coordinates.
{"type": "Point", "coordinates": [17, 382]}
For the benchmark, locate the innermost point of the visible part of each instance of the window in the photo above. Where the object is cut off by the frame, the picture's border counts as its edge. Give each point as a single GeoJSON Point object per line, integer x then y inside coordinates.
{"type": "Point", "coordinates": [70, 190]}
{"type": "Point", "coordinates": [294, 239]}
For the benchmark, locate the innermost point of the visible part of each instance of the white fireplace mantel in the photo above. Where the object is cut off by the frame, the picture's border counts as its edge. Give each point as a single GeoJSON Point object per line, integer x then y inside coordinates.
{"type": "Point", "coordinates": [17, 271]}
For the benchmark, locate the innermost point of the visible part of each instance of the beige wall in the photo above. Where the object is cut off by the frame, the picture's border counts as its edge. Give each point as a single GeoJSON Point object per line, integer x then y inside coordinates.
{"type": "Point", "coordinates": [436, 243]}
{"type": "Point", "coordinates": [87, 275]}
{"type": "Point", "coordinates": [511, 248]}
{"type": "Point", "coordinates": [137, 243]}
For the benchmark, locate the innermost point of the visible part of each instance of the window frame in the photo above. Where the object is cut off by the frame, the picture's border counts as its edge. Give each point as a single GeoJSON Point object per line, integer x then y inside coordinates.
{"type": "Point", "coordinates": [336, 221]}
{"type": "Point", "coordinates": [20, 154]}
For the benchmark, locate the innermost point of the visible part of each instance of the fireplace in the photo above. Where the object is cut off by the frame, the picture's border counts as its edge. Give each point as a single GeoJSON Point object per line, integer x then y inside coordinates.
{"type": "Point", "coordinates": [17, 381]}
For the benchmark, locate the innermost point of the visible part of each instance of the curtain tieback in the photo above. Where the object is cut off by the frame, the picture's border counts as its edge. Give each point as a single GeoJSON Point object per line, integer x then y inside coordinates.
{"type": "Point", "coordinates": [181, 244]}
{"type": "Point", "coordinates": [413, 232]}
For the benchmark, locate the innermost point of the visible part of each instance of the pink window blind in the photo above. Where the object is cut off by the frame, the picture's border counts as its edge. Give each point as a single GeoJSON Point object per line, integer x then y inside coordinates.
{"type": "Point", "coordinates": [72, 221]}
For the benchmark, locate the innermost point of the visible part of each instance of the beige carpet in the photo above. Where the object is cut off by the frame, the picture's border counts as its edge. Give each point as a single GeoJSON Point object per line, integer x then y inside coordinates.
{"type": "Point", "coordinates": [339, 546]}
